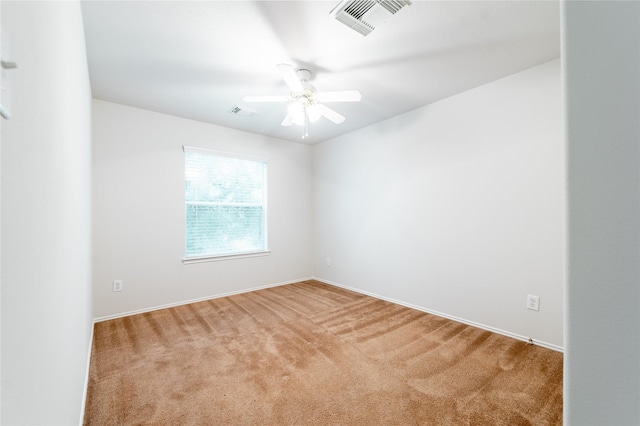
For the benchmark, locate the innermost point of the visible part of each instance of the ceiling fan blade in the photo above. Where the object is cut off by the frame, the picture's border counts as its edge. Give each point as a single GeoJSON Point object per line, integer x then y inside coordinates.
{"type": "Point", "coordinates": [275, 98]}
{"type": "Point", "coordinates": [288, 120]}
{"type": "Point", "coordinates": [330, 114]}
{"type": "Point", "coordinates": [288, 73]}
{"type": "Point", "coordinates": [339, 96]}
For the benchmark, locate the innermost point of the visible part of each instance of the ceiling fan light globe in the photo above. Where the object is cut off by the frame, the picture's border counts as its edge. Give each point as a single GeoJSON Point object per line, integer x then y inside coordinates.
{"type": "Point", "coordinates": [314, 113]}
{"type": "Point", "coordinates": [296, 111]}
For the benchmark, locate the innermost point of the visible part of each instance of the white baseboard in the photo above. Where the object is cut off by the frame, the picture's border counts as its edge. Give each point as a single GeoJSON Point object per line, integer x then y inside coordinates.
{"type": "Point", "coordinates": [86, 378]}
{"type": "Point", "coordinates": [443, 315]}
{"type": "Point", "coordinates": [377, 296]}
{"type": "Point", "coordinates": [200, 299]}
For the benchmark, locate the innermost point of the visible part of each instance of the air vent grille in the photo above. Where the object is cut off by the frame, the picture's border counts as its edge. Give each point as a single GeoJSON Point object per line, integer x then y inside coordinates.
{"type": "Point", "coordinates": [364, 15]}
{"type": "Point", "coordinates": [393, 6]}
{"type": "Point", "coordinates": [242, 110]}
{"type": "Point", "coordinates": [357, 9]}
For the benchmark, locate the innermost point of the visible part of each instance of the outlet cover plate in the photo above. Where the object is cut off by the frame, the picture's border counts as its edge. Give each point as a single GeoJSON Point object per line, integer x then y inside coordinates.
{"type": "Point", "coordinates": [533, 302]}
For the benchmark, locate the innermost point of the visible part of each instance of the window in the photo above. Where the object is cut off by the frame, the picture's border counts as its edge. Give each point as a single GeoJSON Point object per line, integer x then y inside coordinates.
{"type": "Point", "coordinates": [225, 205]}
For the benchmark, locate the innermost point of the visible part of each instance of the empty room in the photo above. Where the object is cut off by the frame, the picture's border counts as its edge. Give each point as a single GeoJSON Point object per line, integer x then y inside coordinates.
{"type": "Point", "coordinates": [320, 212]}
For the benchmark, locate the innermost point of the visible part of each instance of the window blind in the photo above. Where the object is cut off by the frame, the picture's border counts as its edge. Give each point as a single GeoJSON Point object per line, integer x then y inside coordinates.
{"type": "Point", "coordinates": [225, 204]}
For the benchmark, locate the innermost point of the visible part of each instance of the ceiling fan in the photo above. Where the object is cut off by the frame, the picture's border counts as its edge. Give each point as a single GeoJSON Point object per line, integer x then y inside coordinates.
{"type": "Point", "coordinates": [307, 105]}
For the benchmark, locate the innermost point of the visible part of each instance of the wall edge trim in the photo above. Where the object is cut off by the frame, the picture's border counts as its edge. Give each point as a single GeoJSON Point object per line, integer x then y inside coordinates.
{"type": "Point", "coordinates": [86, 378]}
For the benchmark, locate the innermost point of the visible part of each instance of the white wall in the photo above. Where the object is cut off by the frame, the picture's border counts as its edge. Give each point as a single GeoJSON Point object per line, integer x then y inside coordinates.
{"type": "Point", "coordinates": [138, 187]}
{"type": "Point", "coordinates": [46, 200]}
{"type": "Point", "coordinates": [456, 207]}
{"type": "Point", "coordinates": [601, 50]}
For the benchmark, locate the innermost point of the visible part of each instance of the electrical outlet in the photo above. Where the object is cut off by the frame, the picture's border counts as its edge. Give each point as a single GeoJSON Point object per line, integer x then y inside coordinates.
{"type": "Point", "coordinates": [327, 261]}
{"type": "Point", "coordinates": [117, 285]}
{"type": "Point", "coordinates": [533, 302]}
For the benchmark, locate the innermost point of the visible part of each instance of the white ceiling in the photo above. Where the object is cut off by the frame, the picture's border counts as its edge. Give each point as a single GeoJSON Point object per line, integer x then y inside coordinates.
{"type": "Point", "coordinates": [197, 59]}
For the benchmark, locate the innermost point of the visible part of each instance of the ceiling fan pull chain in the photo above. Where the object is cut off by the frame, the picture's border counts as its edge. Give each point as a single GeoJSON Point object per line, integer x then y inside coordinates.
{"type": "Point", "coordinates": [306, 123]}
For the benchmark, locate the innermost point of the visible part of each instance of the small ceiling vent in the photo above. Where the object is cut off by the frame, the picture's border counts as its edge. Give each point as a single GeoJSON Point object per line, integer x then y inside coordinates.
{"type": "Point", "coordinates": [365, 15]}
{"type": "Point", "coordinates": [242, 110]}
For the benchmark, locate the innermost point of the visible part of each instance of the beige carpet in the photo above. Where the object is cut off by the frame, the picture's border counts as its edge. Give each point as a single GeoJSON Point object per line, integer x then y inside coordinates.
{"type": "Point", "coordinates": [314, 354]}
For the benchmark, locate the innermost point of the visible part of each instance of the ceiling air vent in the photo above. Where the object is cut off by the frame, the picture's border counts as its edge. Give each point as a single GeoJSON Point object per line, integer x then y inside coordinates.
{"type": "Point", "coordinates": [365, 15]}
{"type": "Point", "coordinates": [242, 110]}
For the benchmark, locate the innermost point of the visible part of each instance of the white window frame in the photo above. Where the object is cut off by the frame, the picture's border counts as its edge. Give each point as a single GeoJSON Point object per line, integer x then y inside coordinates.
{"type": "Point", "coordinates": [240, 255]}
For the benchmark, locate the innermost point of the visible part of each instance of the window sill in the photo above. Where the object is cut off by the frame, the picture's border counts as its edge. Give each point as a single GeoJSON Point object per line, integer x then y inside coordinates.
{"type": "Point", "coordinates": [201, 259]}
